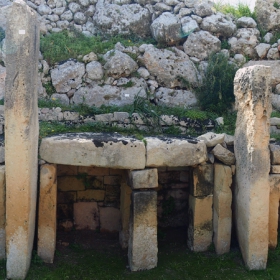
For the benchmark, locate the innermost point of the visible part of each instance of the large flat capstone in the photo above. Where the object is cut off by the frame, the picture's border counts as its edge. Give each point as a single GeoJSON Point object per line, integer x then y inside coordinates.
{"type": "Point", "coordinates": [97, 149]}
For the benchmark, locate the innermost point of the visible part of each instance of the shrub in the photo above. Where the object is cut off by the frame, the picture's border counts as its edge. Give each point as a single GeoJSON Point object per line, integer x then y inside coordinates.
{"type": "Point", "coordinates": [216, 92]}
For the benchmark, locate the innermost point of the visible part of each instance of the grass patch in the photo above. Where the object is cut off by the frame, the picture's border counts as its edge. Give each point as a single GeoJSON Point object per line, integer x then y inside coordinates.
{"type": "Point", "coordinates": [61, 46]}
{"type": "Point", "coordinates": [276, 5]}
{"type": "Point", "coordinates": [241, 10]}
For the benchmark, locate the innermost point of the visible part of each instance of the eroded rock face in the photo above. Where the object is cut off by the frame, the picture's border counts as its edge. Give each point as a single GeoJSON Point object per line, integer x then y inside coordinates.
{"type": "Point", "coordinates": [172, 68]}
{"type": "Point", "coordinates": [252, 90]}
{"type": "Point", "coordinates": [2, 81]}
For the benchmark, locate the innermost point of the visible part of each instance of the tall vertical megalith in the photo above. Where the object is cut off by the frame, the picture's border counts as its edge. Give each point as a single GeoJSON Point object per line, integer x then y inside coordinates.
{"type": "Point", "coordinates": [21, 136]}
{"type": "Point", "coordinates": [252, 92]}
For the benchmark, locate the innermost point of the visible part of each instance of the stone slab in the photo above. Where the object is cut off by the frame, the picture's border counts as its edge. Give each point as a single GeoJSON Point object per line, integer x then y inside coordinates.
{"type": "Point", "coordinates": [96, 149]}
{"type": "Point", "coordinates": [252, 90]}
{"type": "Point", "coordinates": [2, 213]}
{"type": "Point", "coordinates": [109, 219]}
{"type": "Point", "coordinates": [144, 179]}
{"type": "Point", "coordinates": [21, 136]}
{"type": "Point", "coordinates": [275, 169]}
{"type": "Point", "coordinates": [142, 246]}
{"type": "Point", "coordinates": [174, 152]}
{"type": "Point", "coordinates": [47, 213]}
{"type": "Point", "coordinates": [211, 139]}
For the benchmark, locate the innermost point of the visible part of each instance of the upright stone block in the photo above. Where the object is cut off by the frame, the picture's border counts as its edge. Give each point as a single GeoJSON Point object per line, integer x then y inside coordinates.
{"type": "Point", "coordinates": [2, 213]}
{"type": "Point", "coordinates": [253, 100]}
{"type": "Point", "coordinates": [222, 208]}
{"type": "Point", "coordinates": [47, 213]}
{"type": "Point", "coordinates": [144, 179]}
{"type": "Point", "coordinates": [200, 229]}
{"type": "Point", "coordinates": [142, 246]}
{"type": "Point", "coordinates": [21, 136]}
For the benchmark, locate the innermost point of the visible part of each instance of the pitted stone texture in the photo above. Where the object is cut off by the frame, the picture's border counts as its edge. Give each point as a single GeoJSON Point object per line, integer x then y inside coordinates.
{"type": "Point", "coordinates": [274, 197]}
{"type": "Point", "coordinates": [219, 24]}
{"type": "Point", "coordinates": [47, 213]}
{"type": "Point", "coordinates": [274, 153]}
{"type": "Point", "coordinates": [125, 19]}
{"type": "Point", "coordinates": [262, 50]}
{"type": "Point", "coordinates": [170, 67]}
{"type": "Point", "coordinates": [275, 169]}
{"type": "Point", "coordinates": [97, 149]}
{"type": "Point", "coordinates": [21, 137]}
{"type": "Point", "coordinates": [67, 76]}
{"type": "Point", "coordinates": [94, 70]}
{"type": "Point", "coordinates": [224, 155]}
{"type": "Point", "coordinates": [202, 180]}
{"type": "Point", "coordinates": [174, 152]}
{"type": "Point", "coordinates": [203, 9]}
{"type": "Point", "coordinates": [166, 29]}
{"type": "Point", "coordinates": [201, 44]}
{"type": "Point", "coordinates": [120, 65]}
{"type": "Point", "coordinates": [246, 22]}
{"type": "Point", "coordinates": [267, 15]}
{"type": "Point", "coordinates": [2, 81]}
{"type": "Point", "coordinates": [252, 91]}
{"type": "Point", "coordinates": [200, 228]}
{"type": "Point", "coordinates": [222, 216]}
{"type": "Point", "coordinates": [2, 213]}
{"type": "Point", "coordinates": [212, 139]}
{"type": "Point", "coordinates": [109, 219]}
{"type": "Point", "coordinates": [142, 247]}
{"type": "Point", "coordinates": [143, 179]}
{"type": "Point", "coordinates": [86, 215]}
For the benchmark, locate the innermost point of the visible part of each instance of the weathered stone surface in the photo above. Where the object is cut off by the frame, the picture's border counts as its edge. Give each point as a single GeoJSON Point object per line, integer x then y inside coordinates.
{"type": "Point", "coordinates": [222, 208]}
{"type": "Point", "coordinates": [47, 213]}
{"type": "Point", "coordinates": [273, 54]}
{"type": "Point", "coordinates": [201, 44]}
{"type": "Point", "coordinates": [109, 219]}
{"type": "Point", "coordinates": [170, 67]}
{"type": "Point", "coordinates": [274, 153]}
{"type": "Point", "coordinates": [203, 9]}
{"type": "Point", "coordinates": [86, 215]}
{"type": "Point", "coordinates": [144, 179]}
{"type": "Point", "coordinates": [202, 180]}
{"type": "Point", "coordinates": [200, 228]}
{"type": "Point", "coordinates": [274, 197]}
{"type": "Point", "coordinates": [262, 50]}
{"type": "Point", "coordinates": [97, 149]}
{"type": "Point", "coordinates": [212, 139]}
{"type": "Point", "coordinates": [252, 89]}
{"type": "Point", "coordinates": [275, 69]}
{"type": "Point", "coordinates": [189, 25]}
{"type": "Point", "coordinates": [21, 136]}
{"type": "Point", "coordinates": [275, 169]}
{"type": "Point", "coordinates": [224, 155]}
{"type": "Point", "coordinates": [67, 75]}
{"type": "Point", "coordinates": [94, 70]}
{"type": "Point", "coordinates": [2, 81]}
{"type": "Point", "coordinates": [246, 22]}
{"type": "Point", "coordinates": [174, 152]}
{"type": "Point", "coordinates": [142, 247]}
{"type": "Point", "coordinates": [2, 213]}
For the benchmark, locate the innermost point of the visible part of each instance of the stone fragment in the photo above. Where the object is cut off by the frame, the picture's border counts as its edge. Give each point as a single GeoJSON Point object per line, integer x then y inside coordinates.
{"type": "Point", "coordinates": [202, 180]}
{"type": "Point", "coordinates": [229, 139]}
{"type": "Point", "coordinates": [109, 219]}
{"type": "Point", "coordinates": [222, 216]}
{"type": "Point", "coordinates": [86, 215]}
{"type": "Point", "coordinates": [252, 89]}
{"type": "Point", "coordinates": [200, 228]}
{"type": "Point", "coordinates": [246, 22]}
{"type": "Point", "coordinates": [143, 179]}
{"type": "Point", "coordinates": [275, 169]}
{"type": "Point", "coordinates": [224, 155]}
{"type": "Point", "coordinates": [174, 152]}
{"type": "Point", "coordinates": [274, 153]}
{"type": "Point", "coordinates": [2, 213]}
{"type": "Point", "coordinates": [201, 44]}
{"type": "Point", "coordinates": [80, 18]}
{"type": "Point", "coordinates": [90, 57]}
{"type": "Point", "coordinates": [273, 54]}
{"type": "Point", "coordinates": [262, 50]}
{"type": "Point", "coordinates": [189, 25]}
{"type": "Point", "coordinates": [267, 37]}
{"type": "Point", "coordinates": [274, 121]}
{"type": "Point", "coordinates": [94, 70]}
{"type": "Point", "coordinates": [142, 246]}
{"type": "Point", "coordinates": [21, 136]}
{"type": "Point", "coordinates": [97, 149]}
{"type": "Point", "coordinates": [47, 213]}
{"type": "Point", "coordinates": [212, 139]}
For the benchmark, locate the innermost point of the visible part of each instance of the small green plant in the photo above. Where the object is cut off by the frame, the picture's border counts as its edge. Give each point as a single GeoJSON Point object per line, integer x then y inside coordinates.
{"type": "Point", "coordinates": [276, 5]}
{"type": "Point", "coordinates": [242, 10]}
{"type": "Point", "coordinates": [49, 88]}
{"type": "Point", "coordinates": [128, 84]}
{"type": "Point", "coordinates": [225, 45]}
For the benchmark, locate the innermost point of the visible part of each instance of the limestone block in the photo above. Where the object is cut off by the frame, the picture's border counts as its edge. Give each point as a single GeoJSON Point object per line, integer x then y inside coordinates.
{"type": "Point", "coordinates": [2, 213]}
{"type": "Point", "coordinates": [275, 169]}
{"type": "Point", "coordinates": [224, 155]}
{"type": "Point", "coordinates": [142, 246]}
{"type": "Point", "coordinates": [200, 228]}
{"type": "Point", "coordinates": [109, 219]}
{"type": "Point", "coordinates": [174, 152]}
{"type": "Point", "coordinates": [98, 149]}
{"type": "Point", "coordinates": [144, 179]}
{"type": "Point", "coordinates": [222, 216]}
{"type": "Point", "coordinates": [112, 180]}
{"type": "Point", "coordinates": [125, 201]}
{"type": "Point", "coordinates": [202, 180]}
{"type": "Point", "coordinates": [70, 183]}
{"type": "Point", "coordinates": [212, 139]}
{"type": "Point", "coordinates": [88, 195]}
{"type": "Point", "coordinates": [93, 171]}
{"type": "Point", "coordinates": [252, 89]}
{"type": "Point", "coordinates": [63, 170]}
{"type": "Point", "coordinates": [274, 153]}
{"type": "Point", "coordinates": [47, 213]}
{"type": "Point", "coordinates": [21, 136]}
{"type": "Point", "coordinates": [86, 215]}
{"type": "Point", "coordinates": [273, 210]}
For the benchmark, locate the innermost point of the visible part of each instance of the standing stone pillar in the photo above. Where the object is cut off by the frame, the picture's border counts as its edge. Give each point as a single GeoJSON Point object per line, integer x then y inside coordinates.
{"type": "Point", "coordinates": [21, 136]}
{"type": "Point", "coordinates": [252, 91]}
{"type": "Point", "coordinates": [200, 229]}
{"type": "Point", "coordinates": [2, 213]}
{"type": "Point", "coordinates": [142, 246]}
{"type": "Point", "coordinates": [47, 213]}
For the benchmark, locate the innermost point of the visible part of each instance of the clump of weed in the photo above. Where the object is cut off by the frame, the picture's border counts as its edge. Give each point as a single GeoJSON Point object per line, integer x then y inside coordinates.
{"type": "Point", "coordinates": [128, 84]}
{"type": "Point", "coordinates": [49, 88]}
{"type": "Point", "coordinates": [225, 45]}
{"type": "Point", "coordinates": [241, 10]}
{"type": "Point", "coordinates": [276, 5]}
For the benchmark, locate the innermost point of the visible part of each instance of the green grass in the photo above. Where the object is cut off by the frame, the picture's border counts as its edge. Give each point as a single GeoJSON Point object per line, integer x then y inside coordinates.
{"type": "Point", "coordinates": [242, 10]}
{"type": "Point", "coordinates": [61, 46]}
{"type": "Point", "coordinates": [276, 5]}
